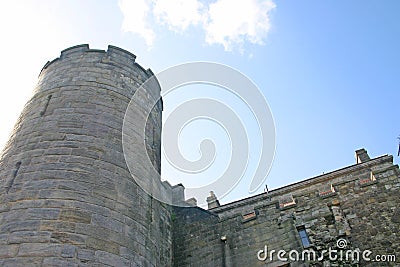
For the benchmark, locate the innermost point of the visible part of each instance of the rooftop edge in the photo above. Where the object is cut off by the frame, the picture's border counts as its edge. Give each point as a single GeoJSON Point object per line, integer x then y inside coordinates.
{"type": "Point", "coordinates": [303, 183]}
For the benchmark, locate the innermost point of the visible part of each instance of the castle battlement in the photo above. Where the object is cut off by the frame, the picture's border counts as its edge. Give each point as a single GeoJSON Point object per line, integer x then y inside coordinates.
{"type": "Point", "coordinates": [123, 56]}
{"type": "Point", "coordinates": [322, 185]}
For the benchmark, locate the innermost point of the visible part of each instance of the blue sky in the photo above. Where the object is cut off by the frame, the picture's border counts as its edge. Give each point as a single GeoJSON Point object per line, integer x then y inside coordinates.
{"type": "Point", "coordinates": [330, 70]}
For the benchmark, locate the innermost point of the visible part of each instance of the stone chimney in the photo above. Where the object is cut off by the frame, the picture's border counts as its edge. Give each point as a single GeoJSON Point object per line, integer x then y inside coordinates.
{"type": "Point", "coordinates": [192, 202]}
{"type": "Point", "coordinates": [361, 156]}
{"type": "Point", "coordinates": [178, 194]}
{"type": "Point", "coordinates": [212, 201]}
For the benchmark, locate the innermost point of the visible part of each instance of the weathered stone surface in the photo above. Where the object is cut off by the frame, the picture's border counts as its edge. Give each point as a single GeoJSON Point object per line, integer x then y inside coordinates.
{"type": "Point", "coordinates": [396, 215]}
{"type": "Point", "coordinates": [111, 259]}
{"type": "Point", "coordinates": [69, 238]}
{"type": "Point", "coordinates": [50, 262]}
{"type": "Point", "coordinates": [21, 262]}
{"type": "Point", "coordinates": [7, 251]}
{"type": "Point", "coordinates": [107, 223]}
{"type": "Point", "coordinates": [68, 198]}
{"type": "Point", "coordinates": [40, 250]}
{"type": "Point", "coordinates": [365, 216]}
{"type": "Point", "coordinates": [75, 215]}
{"type": "Point", "coordinates": [29, 237]}
{"type": "Point", "coordinates": [13, 226]}
{"type": "Point", "coordinates": [68, 251]}
{"type": "Point", "coordinates": [86, 254]}
{"type": "Point", "coordinates": [104, 245]}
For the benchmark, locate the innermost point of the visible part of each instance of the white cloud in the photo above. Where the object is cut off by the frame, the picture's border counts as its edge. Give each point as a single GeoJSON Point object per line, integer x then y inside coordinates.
{"type": "Point", "coordinates": [135, 18]}
{"type": "Point", "coordinates": [230, 23]}
{"type": "Point", "coordinates": [233, 22]}
{"type": "Point", "coordinates": [178, 14]}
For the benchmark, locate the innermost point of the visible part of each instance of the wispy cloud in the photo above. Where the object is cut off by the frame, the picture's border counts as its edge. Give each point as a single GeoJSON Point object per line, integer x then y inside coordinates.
{"type": "Point", "coordinates": [178, 14]}
{"type": "Point", "coordinates": [136, 18]}
{"type": "Point", "coordinates": [230, 23]}
{"type": "Point", "coordinates": [234, 22]}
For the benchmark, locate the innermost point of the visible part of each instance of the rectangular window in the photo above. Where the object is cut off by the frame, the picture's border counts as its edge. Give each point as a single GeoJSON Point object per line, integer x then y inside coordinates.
{"type": "Point", "coordinates": [304, 237]}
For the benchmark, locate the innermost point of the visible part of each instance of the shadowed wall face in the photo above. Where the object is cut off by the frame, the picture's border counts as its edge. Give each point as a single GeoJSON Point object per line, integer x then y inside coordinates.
{"type": "Point", "coordinates": [353, 209]}
{"type": "Point", "coordinates": [67, 196]}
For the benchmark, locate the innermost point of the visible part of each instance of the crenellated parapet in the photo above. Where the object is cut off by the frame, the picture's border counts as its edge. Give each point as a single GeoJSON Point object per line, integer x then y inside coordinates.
{"type": "Point", "coordinates": [78, 59]}
{"type": "Point", "coordinates": [113, 53]}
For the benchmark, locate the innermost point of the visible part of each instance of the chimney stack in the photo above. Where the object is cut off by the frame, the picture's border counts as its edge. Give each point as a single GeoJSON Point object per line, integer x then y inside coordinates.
{"type": "Point", "coordinates": [212, 201]}
{"type": "Point", "coordinates": [361, 156]}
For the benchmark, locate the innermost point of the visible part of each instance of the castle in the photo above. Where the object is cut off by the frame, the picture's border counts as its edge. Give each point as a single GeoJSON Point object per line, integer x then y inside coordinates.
{"type": "Point", "coordinates": [68, 198]}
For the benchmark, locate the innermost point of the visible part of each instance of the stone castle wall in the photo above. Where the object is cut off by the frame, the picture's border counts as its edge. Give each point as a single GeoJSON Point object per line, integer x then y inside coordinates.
{"type": "Point", "coordinates": [359, 204]}
{"type": "Point", "coordinates": [67, 197]}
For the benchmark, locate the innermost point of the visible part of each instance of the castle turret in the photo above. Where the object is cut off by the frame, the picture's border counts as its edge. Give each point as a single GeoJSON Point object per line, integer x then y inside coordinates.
{"type": "Point", "coordinates": [67, 196]}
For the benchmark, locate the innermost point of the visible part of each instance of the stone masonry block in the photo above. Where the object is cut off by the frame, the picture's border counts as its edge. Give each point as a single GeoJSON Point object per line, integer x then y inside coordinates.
{"type": "Point", "coordinates": [74, 215]}
{"type": "Point", "coordinates": [39, 249]}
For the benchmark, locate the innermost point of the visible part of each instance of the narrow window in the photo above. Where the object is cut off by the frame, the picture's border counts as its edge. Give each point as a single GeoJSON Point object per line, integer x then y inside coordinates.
{"type": "Point", "coordinates": [45, 106]}
{"type": "Point", "coordinates": [304, 237]}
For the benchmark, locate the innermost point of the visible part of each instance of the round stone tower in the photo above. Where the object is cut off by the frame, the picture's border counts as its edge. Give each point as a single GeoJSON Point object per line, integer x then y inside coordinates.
{"type": "Point", "coordinates": [67, 196]}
